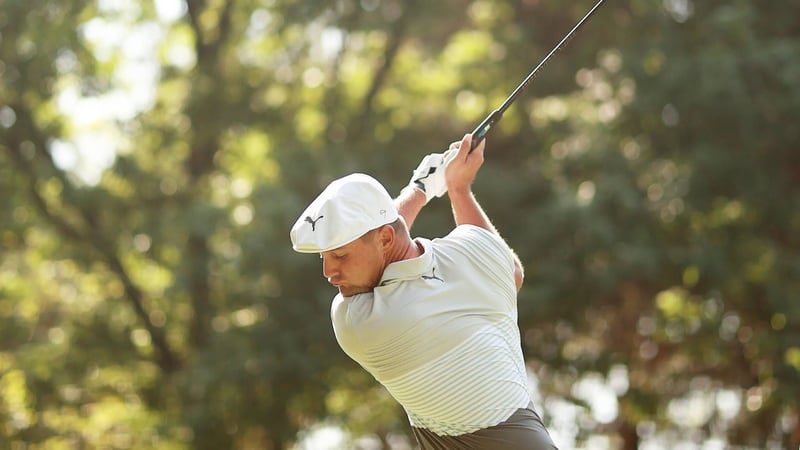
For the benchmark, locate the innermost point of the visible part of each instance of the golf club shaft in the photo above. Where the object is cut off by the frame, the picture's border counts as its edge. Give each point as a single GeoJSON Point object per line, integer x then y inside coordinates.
{"type": "Point", "coordinates": [483, 128]}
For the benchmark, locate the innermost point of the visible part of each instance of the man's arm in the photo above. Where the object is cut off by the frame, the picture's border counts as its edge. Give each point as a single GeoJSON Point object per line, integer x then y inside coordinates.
{"type": "Point", "coordinates": [409, 203]}
{"type": "Point", "coordinates": [459, 174]}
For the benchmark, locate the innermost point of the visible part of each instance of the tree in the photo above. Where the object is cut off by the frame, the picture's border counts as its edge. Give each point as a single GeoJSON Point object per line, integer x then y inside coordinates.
{"type": "Point", "coordinates": [151, 299]}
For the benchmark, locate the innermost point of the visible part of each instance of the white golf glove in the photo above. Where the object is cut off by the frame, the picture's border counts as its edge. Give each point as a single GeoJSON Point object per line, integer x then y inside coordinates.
{"type": "Point", "coordinates": [428, 177]}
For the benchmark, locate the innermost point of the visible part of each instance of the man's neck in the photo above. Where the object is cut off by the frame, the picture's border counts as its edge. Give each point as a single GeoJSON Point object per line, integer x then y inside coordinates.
{"type": "Point", "coordinates": [406, 248]}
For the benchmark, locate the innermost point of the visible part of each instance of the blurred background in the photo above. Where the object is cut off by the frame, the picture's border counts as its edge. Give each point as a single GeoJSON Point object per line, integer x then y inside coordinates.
{"type": "Point", "coordinates": [154, 154]}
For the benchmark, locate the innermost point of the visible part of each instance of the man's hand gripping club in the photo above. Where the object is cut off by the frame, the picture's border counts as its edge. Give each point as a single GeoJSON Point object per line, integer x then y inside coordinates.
{"type": "Point", "coordinates": [429, 180]}
{"type": "Point", "coordinates": [428, 177]}
{"type": "Point", "coordinates": [463, 166]}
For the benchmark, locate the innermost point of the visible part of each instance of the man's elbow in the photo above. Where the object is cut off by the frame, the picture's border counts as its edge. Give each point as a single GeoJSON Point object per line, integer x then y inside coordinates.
{"type": "Point", "coordinates": [519, 276]}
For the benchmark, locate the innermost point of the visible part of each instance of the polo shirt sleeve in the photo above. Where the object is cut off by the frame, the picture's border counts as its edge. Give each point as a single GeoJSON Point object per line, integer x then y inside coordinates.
{"type": "Point", "coordinates": [489, 252]}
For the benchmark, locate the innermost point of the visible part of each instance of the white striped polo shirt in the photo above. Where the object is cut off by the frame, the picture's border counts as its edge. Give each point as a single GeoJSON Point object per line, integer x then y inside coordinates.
{"type": "Point", "coordinates": [440, 333]}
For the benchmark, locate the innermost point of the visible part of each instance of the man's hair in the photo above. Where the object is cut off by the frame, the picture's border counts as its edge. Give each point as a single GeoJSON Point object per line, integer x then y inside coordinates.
{"type": "Point", "coordinates": [398, 226]}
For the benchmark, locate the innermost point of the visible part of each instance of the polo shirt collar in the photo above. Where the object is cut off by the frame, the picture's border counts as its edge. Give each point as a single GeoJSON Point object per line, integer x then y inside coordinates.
{"type": "Point", "coordinates": [410, 269]}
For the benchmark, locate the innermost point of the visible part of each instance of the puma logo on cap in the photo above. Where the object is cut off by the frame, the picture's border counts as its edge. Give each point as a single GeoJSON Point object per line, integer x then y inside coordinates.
{"type": "Point", "coordinates": [313, 222]}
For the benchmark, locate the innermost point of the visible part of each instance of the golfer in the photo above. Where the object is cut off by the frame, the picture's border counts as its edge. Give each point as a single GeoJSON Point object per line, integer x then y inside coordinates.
{"type": "Point", "coordinates": [434, 321]}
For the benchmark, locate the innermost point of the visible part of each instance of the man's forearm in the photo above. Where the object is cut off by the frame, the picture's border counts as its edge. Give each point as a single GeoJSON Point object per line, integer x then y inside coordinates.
{"type": "Point", "coordinates": [409, 203]}
{"type": "Point", "coordinates": [467, 211]}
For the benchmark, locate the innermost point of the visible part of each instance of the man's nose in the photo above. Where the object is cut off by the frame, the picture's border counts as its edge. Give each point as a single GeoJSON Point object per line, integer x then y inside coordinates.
{"type": "Point", "coordinates": [327, 267]}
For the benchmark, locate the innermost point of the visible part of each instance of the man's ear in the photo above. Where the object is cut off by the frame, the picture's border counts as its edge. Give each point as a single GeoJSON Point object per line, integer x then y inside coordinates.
{"type": "Point", "coordinates": [386, 236]}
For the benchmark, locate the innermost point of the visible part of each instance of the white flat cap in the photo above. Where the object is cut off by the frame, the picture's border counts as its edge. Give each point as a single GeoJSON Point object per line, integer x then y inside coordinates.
{"type": "Point", "coordinates": [347, 209]}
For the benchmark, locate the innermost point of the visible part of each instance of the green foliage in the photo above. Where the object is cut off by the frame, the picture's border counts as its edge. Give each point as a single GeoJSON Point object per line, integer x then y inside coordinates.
{"type": "Point", "coordinates": [153, 157]}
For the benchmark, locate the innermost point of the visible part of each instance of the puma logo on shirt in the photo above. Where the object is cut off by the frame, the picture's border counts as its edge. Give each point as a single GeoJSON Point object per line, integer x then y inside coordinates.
{"type": "Point", "coordinates": [432, 276]}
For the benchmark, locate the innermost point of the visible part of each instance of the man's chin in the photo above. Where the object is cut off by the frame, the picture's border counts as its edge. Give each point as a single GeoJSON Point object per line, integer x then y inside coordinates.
{"type": "Point", "coordinates": [349, 291]}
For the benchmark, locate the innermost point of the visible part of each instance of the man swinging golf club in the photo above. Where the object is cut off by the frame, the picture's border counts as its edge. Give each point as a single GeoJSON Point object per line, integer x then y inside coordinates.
{"type": "Point", "coordinates": [434, 321]}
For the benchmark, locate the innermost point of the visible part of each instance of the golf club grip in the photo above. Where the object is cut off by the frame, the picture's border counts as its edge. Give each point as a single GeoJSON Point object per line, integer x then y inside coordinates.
{"type": "Point", "coordinates": [480, 132]}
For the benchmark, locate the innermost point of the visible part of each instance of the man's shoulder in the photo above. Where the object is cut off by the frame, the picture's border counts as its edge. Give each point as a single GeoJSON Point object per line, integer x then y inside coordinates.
{"type": "Point", "coordinates": [468, 232]}
{"type": "Point", "coordinates": [347, 313]}
{"type": "Point", "coordinates": [477, 243]}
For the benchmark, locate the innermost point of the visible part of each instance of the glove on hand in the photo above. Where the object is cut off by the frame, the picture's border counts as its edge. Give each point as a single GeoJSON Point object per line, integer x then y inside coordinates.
{"type": "Point", "coordinates": [428, 177]}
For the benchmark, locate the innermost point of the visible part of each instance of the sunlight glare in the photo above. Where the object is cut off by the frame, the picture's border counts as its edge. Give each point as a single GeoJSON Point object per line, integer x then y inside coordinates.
{"type": "Point", "coordinates": [170, 10]}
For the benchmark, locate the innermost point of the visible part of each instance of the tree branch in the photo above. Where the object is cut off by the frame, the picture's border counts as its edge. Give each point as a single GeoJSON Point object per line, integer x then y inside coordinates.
{"type": "Point", "coordinates": [195, 8]}
{"type": "Point", "coordinates": [203, 112]}
{"type": "Point", "coordinates": [106, 249]}
{"type": "Point", "coordinates": [392, 47]}
{"type": "Point", "coordinates": [224, 23]}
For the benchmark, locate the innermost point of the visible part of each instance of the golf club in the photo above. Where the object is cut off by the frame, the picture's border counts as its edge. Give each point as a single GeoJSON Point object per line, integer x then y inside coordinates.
{"type": "Point", "coordinates": [483, 128]}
